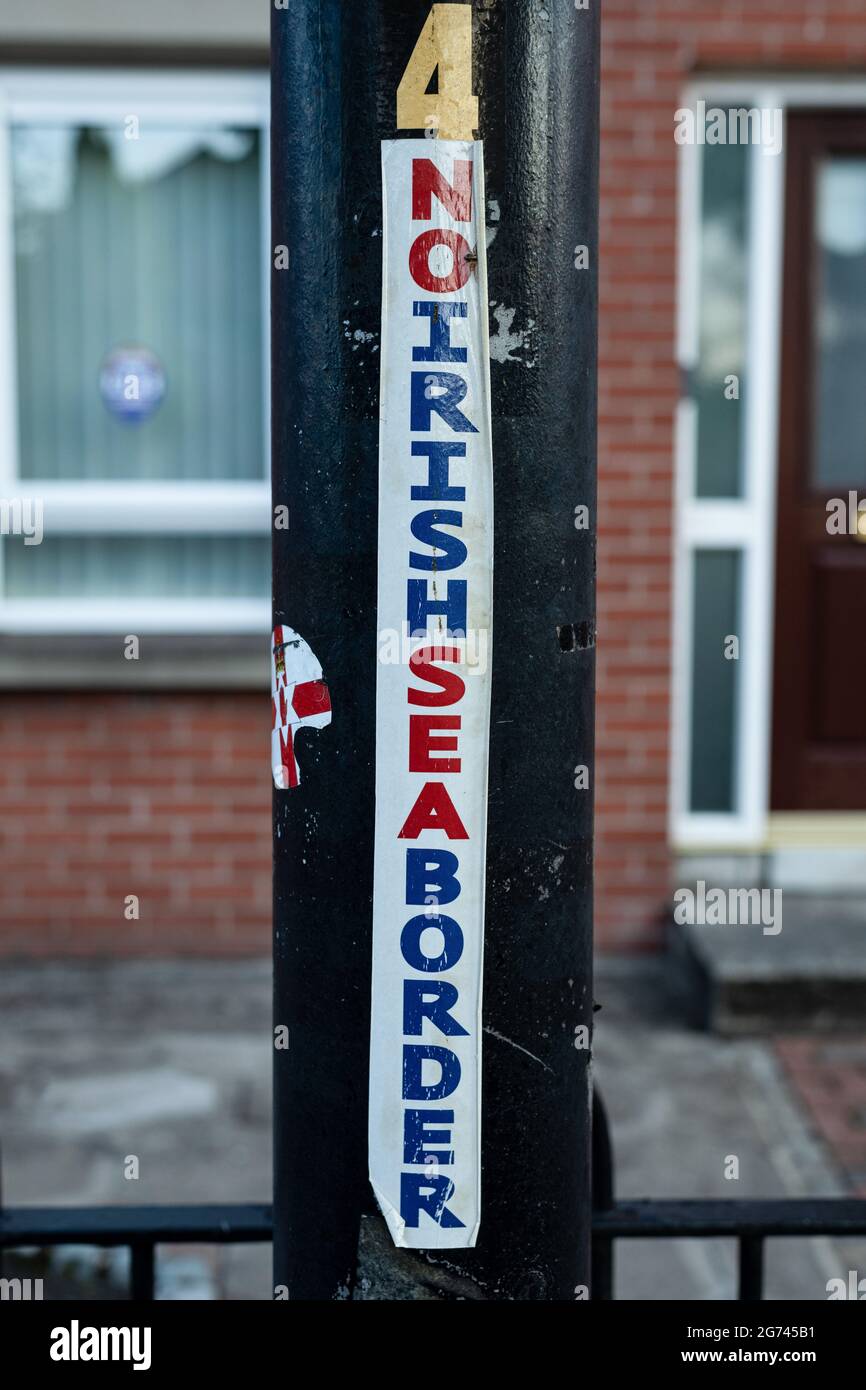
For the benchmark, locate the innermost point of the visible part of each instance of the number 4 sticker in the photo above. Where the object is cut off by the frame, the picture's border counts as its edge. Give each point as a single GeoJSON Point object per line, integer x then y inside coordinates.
{"type": "Point", "coordinates": [444, 47]}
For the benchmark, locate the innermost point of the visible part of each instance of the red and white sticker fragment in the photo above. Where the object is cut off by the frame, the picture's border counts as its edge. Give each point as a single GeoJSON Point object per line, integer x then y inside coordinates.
{"type": "Point", "coordinates": [299, 700]}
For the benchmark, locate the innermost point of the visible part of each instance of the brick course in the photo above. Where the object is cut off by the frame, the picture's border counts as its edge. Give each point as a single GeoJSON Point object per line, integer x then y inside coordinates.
{"type": "Point", "coordinates": [163, 796]}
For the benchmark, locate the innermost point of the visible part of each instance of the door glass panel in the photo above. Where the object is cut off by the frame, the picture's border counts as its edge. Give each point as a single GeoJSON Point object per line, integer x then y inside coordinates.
{"type": "Point", "coordinates": [716, 607]}
{"type": "Point", "coordinates": [839, 444]}
{"type": "Point", "coordinates": [722, 317]}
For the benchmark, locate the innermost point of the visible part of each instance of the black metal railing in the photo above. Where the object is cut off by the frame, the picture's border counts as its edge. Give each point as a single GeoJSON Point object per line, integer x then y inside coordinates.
{"type": "Point", "coordinates": [138, 1229]}
{"type": "Point", "coordinates": [748, 1222]}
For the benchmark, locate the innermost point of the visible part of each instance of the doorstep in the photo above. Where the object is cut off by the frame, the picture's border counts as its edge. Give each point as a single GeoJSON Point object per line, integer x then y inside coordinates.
{"type": "Point", "coordinates": [810, 976]}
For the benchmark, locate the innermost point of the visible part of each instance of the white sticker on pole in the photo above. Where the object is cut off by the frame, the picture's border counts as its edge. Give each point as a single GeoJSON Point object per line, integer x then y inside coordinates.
{"type": "Point", "coordinates": [433, 695]}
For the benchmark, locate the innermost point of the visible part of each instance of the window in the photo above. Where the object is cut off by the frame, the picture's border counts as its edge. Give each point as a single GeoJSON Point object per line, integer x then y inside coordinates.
{"type": "Point", "coordinates": [721, 320]}
{"type": "Point", "coordinates": [731, 204]}
{"type": "Point", "coordinates": [133, 329]}
{"type": "Point", "coordinates": [718, 378]}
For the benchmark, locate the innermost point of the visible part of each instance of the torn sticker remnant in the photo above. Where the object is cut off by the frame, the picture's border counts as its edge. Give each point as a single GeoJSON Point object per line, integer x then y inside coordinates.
{"type": "Point", "coordinates": [300, 699]}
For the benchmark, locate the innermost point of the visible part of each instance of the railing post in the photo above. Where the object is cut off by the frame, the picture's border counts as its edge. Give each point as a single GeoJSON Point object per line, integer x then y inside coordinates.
{"type": "Point", "coordinates": [143, 1272]}
{"type": "Point", "coordinates": [751, 1269]}
{"type": "Point", "coordinates": [602, 1200]}
{"type": "Point", "coordinates": [336, 69]}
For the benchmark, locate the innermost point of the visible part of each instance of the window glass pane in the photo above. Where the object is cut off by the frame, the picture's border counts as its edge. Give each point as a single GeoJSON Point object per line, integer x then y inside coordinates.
{"type": "Point", "coordinates": [139, 303]}
{"type": "Point", "coordinates": [839, 453]}
{"type": "Point", "coordinates": [181, 567]}
{"type": "Point", "coordinates": [714, 680]}
{"type": "Point", "coordinates": [722, 317]}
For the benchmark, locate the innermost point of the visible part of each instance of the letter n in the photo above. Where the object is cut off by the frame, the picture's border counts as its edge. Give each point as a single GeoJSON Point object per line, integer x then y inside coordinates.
{"type": "Point", "coordinates": [456, 199]}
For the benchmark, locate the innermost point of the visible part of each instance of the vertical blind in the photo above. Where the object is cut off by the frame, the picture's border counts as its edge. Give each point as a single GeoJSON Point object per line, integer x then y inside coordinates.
{"type": "Point", "coordinates": [170, 261]}
{"type": "Point", "coordinates": [185, 567]}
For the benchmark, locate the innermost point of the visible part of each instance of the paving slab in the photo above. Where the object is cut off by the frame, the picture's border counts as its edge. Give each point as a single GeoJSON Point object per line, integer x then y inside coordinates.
{"type": "Point", "coordinates": [807, 974]}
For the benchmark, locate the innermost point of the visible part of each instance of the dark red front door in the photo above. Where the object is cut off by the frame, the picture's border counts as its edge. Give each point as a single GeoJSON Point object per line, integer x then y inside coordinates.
{"type": "Point", "coordinates": [819, 705]}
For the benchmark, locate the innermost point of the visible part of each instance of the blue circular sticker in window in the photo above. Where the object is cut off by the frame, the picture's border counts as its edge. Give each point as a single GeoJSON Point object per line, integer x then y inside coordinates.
{"type": "Point", "coordinates": [132, 383]}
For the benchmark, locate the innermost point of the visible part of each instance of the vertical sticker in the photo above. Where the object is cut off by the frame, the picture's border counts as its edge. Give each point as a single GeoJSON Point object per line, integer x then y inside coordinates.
{"type": "Point", "coordinates": [433, 693]}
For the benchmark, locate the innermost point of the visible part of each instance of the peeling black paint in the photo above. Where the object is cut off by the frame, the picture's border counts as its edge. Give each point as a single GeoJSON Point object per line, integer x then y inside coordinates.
{"type": "Point", "coordinates": [576, 636]}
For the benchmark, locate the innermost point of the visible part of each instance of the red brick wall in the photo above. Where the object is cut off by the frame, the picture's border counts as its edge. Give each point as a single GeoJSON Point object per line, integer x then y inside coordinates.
{"type": "Point", "coordinates": [650, 48]}
{"type": "Point", "coordinates": [163, 796]}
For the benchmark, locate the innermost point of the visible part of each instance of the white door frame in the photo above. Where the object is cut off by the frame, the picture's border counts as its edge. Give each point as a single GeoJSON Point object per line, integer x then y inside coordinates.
{"type": "Point", "coordinates": [746, 524]}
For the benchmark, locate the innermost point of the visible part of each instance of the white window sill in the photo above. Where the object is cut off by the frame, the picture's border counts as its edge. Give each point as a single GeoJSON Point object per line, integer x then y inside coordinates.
{"type": "Point", "coordinates": [211, 662]}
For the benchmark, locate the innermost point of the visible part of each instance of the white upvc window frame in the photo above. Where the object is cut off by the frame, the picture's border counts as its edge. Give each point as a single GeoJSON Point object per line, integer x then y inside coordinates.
{"type": "Point", "coordinates": [746, 524]}
{"type": "Point", "coordinates": [51, 96]}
